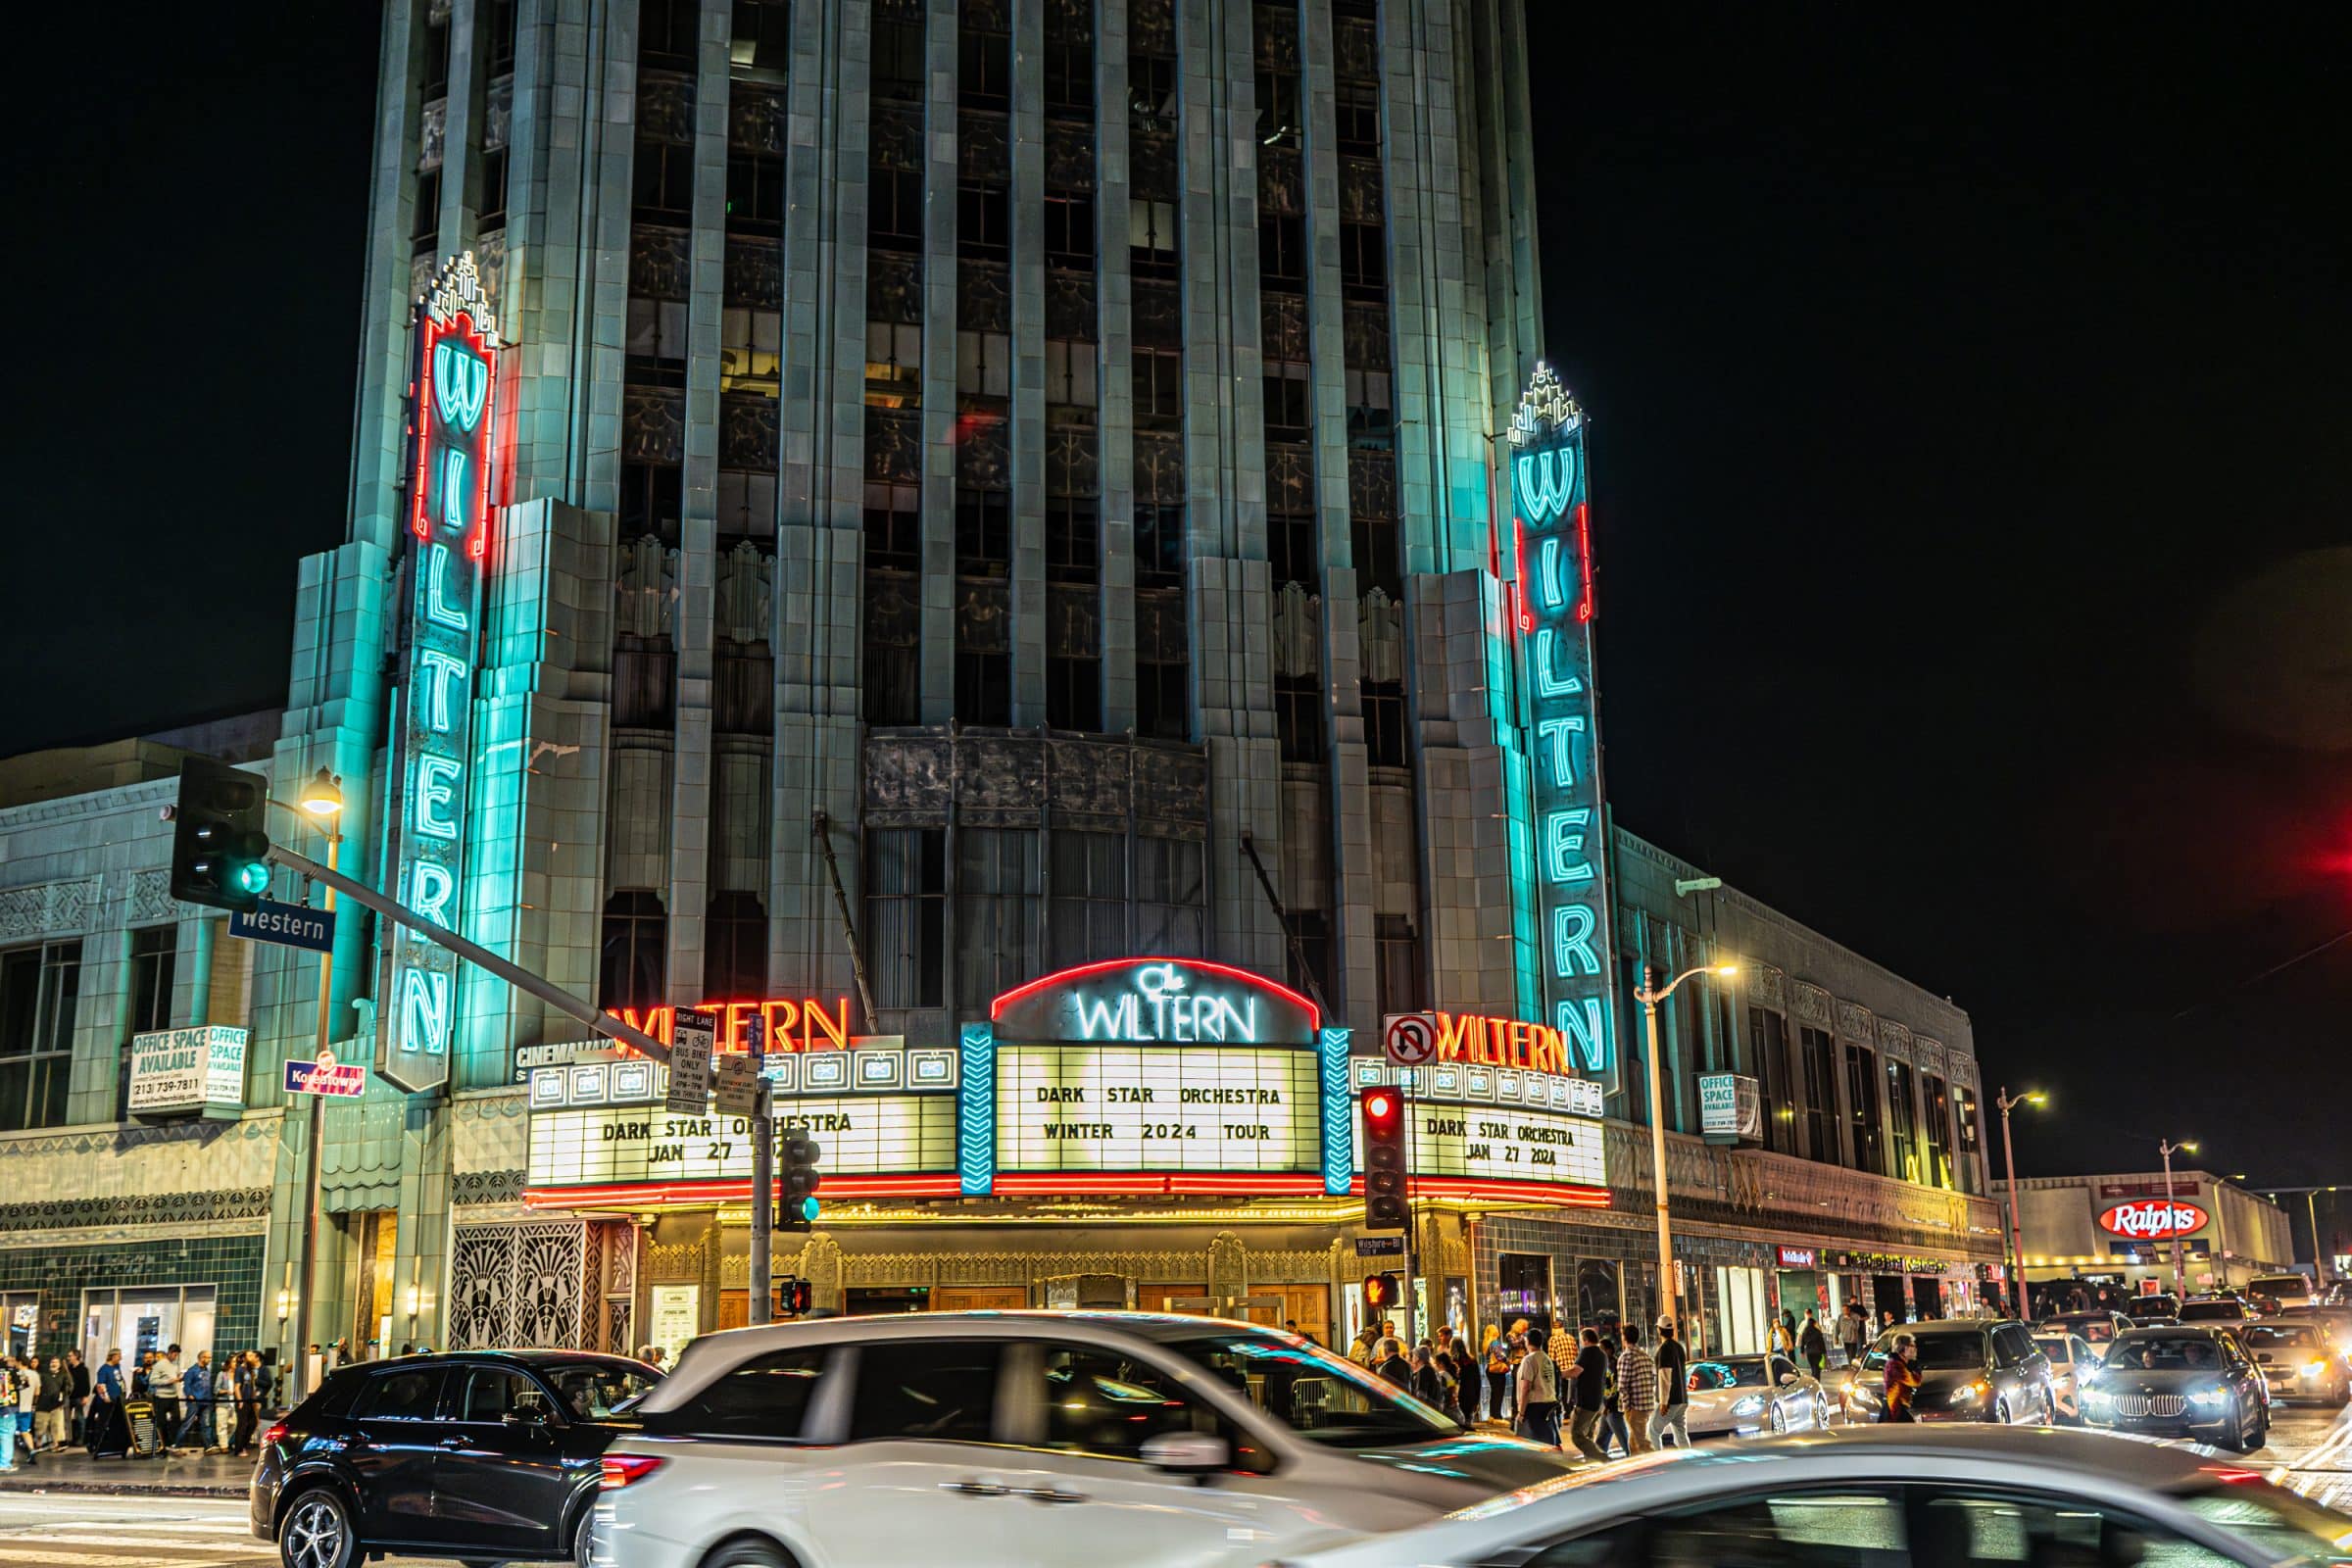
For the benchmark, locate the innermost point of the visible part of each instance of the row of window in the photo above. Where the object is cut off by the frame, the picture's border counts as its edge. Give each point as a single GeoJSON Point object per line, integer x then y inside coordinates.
{"type": "Point", "coordinates": [41, 991]}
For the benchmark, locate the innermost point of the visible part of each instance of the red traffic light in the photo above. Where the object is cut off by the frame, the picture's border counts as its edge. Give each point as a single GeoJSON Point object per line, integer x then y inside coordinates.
{"type": "Point", "coordinates": [1380, 1107]}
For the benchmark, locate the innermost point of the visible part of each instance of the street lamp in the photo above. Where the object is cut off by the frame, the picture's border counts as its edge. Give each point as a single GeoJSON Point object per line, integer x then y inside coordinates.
{"type": "Point", "coordinates": [321, 801]}
{"type": "Point", "coordinates": [2016, 1238]}
{"type": "Point", "coordinates": [1649, 1000]}
{"type": "Point", "coordinates": [2172, 1211]}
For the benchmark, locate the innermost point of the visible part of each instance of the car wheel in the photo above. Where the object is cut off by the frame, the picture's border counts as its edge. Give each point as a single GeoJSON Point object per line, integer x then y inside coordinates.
{"type": "Point", "coordinates": [1821, 1415]}
{"type": "Point", "coordinates": [1779, 1421]}
{"type": "Point", "coordinates": [317, 1532]}
{"type": "Point", "coordinates": [749, 1553]}
{"type": "Point", "coordinates": [1999, 1414]}
{"type": "Point", "coordinates": [583, 1539]}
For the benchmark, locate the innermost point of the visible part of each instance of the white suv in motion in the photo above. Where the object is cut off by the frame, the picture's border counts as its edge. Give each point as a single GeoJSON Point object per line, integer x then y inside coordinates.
{"type": "Point", "coordinates": [1043, 1440]}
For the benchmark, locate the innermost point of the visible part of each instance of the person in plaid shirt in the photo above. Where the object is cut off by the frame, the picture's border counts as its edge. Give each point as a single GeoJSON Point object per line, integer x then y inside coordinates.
{"type": "Point", "coordinates": [1636, 1389]}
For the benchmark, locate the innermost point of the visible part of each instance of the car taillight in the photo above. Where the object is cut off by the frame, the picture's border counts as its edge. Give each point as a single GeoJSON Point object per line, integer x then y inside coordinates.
{"type": "Point", "coordinates": [622, 1470]}
{"type": "Point", "coordinates": [275, 1435]}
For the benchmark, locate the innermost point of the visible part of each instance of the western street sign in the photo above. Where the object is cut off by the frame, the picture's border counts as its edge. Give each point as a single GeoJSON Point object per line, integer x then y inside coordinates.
{"type": "Point", "coordinates": [289, 925]}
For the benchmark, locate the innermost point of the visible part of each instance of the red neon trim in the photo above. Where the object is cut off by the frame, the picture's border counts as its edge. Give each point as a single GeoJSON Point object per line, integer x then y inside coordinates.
{"type": "Point", "coordinates": [1158, 1182]}
{"type": "Point", "coordinates": [421, 523]}
{"type": "Point", "coordinates": [1583, 557]}
{"type": "Point", "coordinates": [622, 1195]}
{"type": "Point", "coordinates": [1503, 1190]}
{"type": "Point", "coordinates": [1524, 615]}
{"type": "Point", "coordinates": [996, 1009]}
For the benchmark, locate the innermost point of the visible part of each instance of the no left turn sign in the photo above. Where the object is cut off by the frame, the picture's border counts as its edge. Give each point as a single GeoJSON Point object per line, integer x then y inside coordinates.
{"type": "Point", "coordinates": [1409, 1038]}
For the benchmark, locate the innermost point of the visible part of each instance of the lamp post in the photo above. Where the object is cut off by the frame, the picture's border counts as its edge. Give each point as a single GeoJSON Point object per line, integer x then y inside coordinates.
{"type": "Point", "coordinates": [1649, 1000]}
{"type": "Point", "coordinates": [2015, 1240]}
{"type": "Point", "coordinates": [322, 803]}
{"type": "Point", "coordinates": [2171, 1216]}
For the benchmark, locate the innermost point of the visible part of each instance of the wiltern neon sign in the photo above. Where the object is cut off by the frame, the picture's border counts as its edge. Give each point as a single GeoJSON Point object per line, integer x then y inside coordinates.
{"type": "Point", "coordinates": [1553, 558]}
{"type": "Point", "coordinates": [449, 523]}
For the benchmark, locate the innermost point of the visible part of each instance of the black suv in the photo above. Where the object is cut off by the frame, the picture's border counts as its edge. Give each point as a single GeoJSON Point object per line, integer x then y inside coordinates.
{"type": "Point", "coordinates": [488, 1457]}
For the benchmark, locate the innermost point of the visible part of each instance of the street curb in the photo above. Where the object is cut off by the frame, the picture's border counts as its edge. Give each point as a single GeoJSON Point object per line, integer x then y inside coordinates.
{"type": "Point", "coordinates": [100, 1488]}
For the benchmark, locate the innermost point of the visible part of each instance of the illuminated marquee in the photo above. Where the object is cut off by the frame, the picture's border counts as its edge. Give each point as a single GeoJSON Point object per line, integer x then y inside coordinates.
{"type": "Point", "coordinates": [453, 419]}
{"type": "Point", "coordinates": [1501, 1043]}
{"type": "Point", "coordinates": [794, 1023]}
{"type": "Point", "coordinates": [1153, 1107]}
{"type": "Point", "coordinates": [875, 1136]}
{"type": "Point", "coordinates": [1553, 565]}
{"type": "Point", "coordinates": [1174, 1000]}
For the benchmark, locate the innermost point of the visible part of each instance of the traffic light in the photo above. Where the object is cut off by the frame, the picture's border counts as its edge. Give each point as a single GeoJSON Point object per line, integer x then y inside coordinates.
{"type": "Point", "coordinates": [796, 1297]}
{"type": "Point", "coordinates": [1382, 1292]}
{"type": "Point", "coordinates": [797, 1180]}
{"type": "Point", "coordinates": [219, 842]}
{"type": "Point", "coordinates": [1385, 1205]}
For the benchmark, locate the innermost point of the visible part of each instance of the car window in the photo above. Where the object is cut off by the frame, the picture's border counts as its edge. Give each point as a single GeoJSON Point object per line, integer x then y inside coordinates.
{"type": "Point", "coordinates": [491, 1394]}
{"type": "Point", "coordinates": [2282, 1527]}
{"type": "Point", "coordinates": [1961, 1351]}
{"type": "Point", "coordinates": [593, 1389]}
{"type": "Point", "coordinates": [2165, 1353]}
{"type": "Point", "coordinates": [944, 1391]}
{"type": "Point", "coordinates": [2045, 1532]}
{"type": "Point", "coordinates": [409, 1395]}
{"type": "Point", "coordinates": [2270, 1339]}
{"type": "Point", "coordinates": [1856, 1529]}
{"type": "Point", "coordinates": [1729, 1372]}
{"type": "Point", "coordinates": [1314, 1392]}
{"type": "Point", "coordinates": [2055, 1348]}
{"type": "Point", "coordinates": [1100, 1402]}
{"type": "Point", "coordinates": [766, 1397]}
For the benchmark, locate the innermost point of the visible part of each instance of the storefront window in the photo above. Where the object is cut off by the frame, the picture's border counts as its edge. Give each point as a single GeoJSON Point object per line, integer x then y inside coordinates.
{"type": "Point", "coordinates": [38, 987]}
{"type": "Point", "coordinates": [148, 1317]}
{"type": "Point", "coordinates": [1600, 1298]}
{"type": "Point", "coordinates": [1739, 1307]}
{"type": "Point", "coordinates": [1523, 1282]}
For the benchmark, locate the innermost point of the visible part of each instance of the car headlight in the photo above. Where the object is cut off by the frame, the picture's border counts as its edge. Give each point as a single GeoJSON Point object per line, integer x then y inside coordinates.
{"type": "Point", "coordinates": [2210, 1396]}
{"type": "Point", "coordinates": [2097, 1396]}
{"type": "Point", "coordinates": [1753, 1405]}
{"type": "Point", "coordinates": [1971, 1393]}
{"type": "Point", "coordinates": [2314, 1369]}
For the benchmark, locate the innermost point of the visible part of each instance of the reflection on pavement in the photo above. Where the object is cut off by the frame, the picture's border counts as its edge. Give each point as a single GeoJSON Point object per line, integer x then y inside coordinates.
{"type": "Point", "coordinates": [2311, 1447]}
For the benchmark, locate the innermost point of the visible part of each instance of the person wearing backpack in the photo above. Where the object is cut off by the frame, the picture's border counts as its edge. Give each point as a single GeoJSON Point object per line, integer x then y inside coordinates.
{"type": "Point", "coordinates": [1812, 1345]}
{"type": "Point", "coordinates": [1498, 1376]}
{"type": "Point", "coordinates": [1538, 1393]}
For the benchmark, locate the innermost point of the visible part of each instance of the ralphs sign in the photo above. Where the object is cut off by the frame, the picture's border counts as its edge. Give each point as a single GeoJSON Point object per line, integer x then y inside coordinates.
{"type": "Point", "coordinates": [2153, 1218]}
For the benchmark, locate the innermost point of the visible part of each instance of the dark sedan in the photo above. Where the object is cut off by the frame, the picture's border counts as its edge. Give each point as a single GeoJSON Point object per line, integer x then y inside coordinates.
{"type": "Point", "coordinates": [1969, 1370]}
{"type": "Point", "coordinates": [2185, 1382]}
{"type": "Point", "coordinates": [490, 1456]}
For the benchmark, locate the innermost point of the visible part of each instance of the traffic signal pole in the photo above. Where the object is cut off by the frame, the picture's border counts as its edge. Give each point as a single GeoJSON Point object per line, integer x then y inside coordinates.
{"type": "Point", "coordinates": [763, 1177]}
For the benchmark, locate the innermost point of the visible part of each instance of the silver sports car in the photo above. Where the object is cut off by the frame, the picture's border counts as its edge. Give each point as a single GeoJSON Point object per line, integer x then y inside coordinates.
{"type": "Point", "coordinates": [1739, 1396]}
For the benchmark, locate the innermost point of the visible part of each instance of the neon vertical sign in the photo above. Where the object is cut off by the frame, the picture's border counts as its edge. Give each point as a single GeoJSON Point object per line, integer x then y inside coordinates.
{"type": "Point", "coordinates": [452, 417]}
{"type": "Point", "coordinates": [1553, 558]}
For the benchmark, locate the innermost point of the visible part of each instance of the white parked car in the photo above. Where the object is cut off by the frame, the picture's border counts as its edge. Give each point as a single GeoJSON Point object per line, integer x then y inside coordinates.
{"type": "Point", "coordinates": [1044, 1439]}
{"type": "Point", "coordinates": [1881, 1497]}
{"type": "Point", "coordinates": [1744, 1397]}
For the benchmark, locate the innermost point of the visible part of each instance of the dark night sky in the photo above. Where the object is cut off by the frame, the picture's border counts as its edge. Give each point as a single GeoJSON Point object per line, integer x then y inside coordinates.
{"type": "Point", "coordinates": [1975, 530]}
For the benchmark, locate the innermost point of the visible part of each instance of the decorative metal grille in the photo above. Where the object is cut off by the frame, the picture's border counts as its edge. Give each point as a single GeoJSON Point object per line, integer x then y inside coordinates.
{"type": "Point", "coordinates": [517, 1286]}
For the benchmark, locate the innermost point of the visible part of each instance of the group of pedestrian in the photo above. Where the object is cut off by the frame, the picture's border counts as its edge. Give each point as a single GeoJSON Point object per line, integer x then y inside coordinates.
{"type": "Point", "coordinates": [1614, 1389]}
{"type": "Point", "coordinates": [195, 1408]}
{"type": "Point", "coordinates": [1436, 1371]}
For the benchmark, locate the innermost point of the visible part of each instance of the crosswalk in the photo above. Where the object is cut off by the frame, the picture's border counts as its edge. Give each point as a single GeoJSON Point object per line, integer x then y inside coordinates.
{"type": "Point", "coordinates": [64, 1532]}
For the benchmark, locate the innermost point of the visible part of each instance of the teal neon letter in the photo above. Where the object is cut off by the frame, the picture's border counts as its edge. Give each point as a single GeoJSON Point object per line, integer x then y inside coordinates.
{"type": "Point", "coordinates": [456, 512]}
{"type": "Point", "coordinates": [1564, 843]}
{"type": "Point", "coordinates": [437, 607]}
{"type": "Point", "coordinates": [1546, 483]}
{"type": "Point", "coordinates": [1582, 1026]}
{"type": "Point", "coordinates": [460, 382]}
{"type": "Point", "coordinates": [423, 1011]}
{"type": "Point", "coordinates": [1571, 942]}
{"type": "Point", "coordinates": [437, 797]}
{"type": "Point", "coordinates": [441, 675]}
{"type": "Point", "coordinates": [1552, 734]}
{"type": "Point", "coordinates": [1550, 682]}
{"type": "Point", "coordinates": [1548, 570]}
{"type": "Point", "coordinates": [431, 890]}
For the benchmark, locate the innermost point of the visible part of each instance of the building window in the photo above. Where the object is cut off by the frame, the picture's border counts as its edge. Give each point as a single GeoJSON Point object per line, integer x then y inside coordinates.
{"type": "Point", "coordinates": [754, 193]}
{"type": "Point", "coordinates": [984, 364]}
{"type": "Point", "coordinates": [1937, 1133]}
{"type": "Point", "coordinates": [1312, 930]}
{"type": "Point", "coordinates": [1902, 1128]}
{"type": "Point", "coordinates": [494, 188]}
{"type": "Point", "coordinates": [435, 76]}
{"type": "Point", "coordinates": [649, 499]}
{"type": "Point", "coordinates": [1158, 380]}
{"type": "Point", "coordinates": [1171, 898]}
{"type": "Point", "coordinates": [1070, 375]}
{"type": "Point", "coordinates": [983, 687]}
{"type": "Point", "coordinates": [894, 209]}
{"type": "Point", "coordinates": [656, 342]}
{"type": "Point", "coordinates": [154, 956]}
{"type": "Point", "coordinates": [1862, 1089]}
{"type": "Point", "coordinates": [1363, 262]}
{"type": "Point", "coordinates": [1162, 697]}
{"type": "Point", "coordinates": [749, 350]}
{"type": "Point", "coordinates": [1371, 409]}
{"type": "Point", "coordinates": [763, 34]}
{"type": "Point", "coordinates": [1071, 539]}
{"type": "Point", "coordinates": [1282, 249]}
{"type": "Point", "coordinates": [1396, 955]}
{"type": "Point", "coordinates": [1073, 692]}
{"type": "Point", "coordinates": [665, 31]}
{"type": "Point", "coordinates": [1768, 1054]}
{"type": "Point", "coordinates": [1070, 79]}
{"type": "Point", "coordinates": [636, 953]}
{"type": "Point", "coordinates": [735, 948]}
{"type": "Point", "coordinates": [1089, 919]}
{"type": "Point", "coordinates": [1279, 119]}
{"type": "Point", "coordinates": [1357, 131]}
{"type": "Point", "coordinates": [426, 219]}
{"type": "Point", "coordinates": [983, 532]}
{"type": "Point", "coordinates": [1372, 541]}
{"type": "Point", "coordinates": [1291, 550]}
{"type": "Point", "coordinates": [1070, 232]}
{"type": "Point", "coordinates": [905, 915]}
{"type": "Point", "coordinates": [996, 896]}
{"type": "Point", "coordinates": [894, 526]}
{"type": "Point", "coordinates": [1289, 401]}
{"type": "Point", "coordinates": [1299, 717]}
{"type": "Point", "coordinates": [501, 28]}
{"type": "Point", "coordinates": [1821, 1094]}
{"type": "Point", "coordinates": [1384, 723]}
{"type": "Point", "coordinates": [983, 223]}
{"type": "Point", "coordinates": [1158, 545]}
{"type": "Point", "coordinates": [663, 182]}
{"type": "Point", "coordinates": [1151, 238]}
{"type": "Point", "coordinates": [894, 364]}
{"type": "Point", "coordinates": [1152, 92]}
{"type": "Point", "coordinates": [1970, 1153]}
{"type": "Point", "coordinates": [899, 63]}
{"type": "Point", "coordinates": [984, 77]}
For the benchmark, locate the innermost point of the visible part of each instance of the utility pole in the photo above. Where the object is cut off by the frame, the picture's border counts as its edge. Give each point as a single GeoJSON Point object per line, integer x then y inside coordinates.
{"type": "Point", "coordinates": [2014, 1241]}
{"type": "Point", "coordinates": [1649, 1000]}
{"type": "Point", "coordinates": [763, 1174]}
{"type": "Point", "coordinates": [2171, 1212]}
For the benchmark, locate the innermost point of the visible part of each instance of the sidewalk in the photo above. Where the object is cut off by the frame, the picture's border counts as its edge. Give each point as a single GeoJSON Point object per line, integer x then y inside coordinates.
{"type": "Point", "coordinates": [183, 1475]}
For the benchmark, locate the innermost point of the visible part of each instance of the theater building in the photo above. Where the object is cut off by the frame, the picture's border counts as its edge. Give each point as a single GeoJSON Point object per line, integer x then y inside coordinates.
{"type": "Point", "coordinates": [868, 514]}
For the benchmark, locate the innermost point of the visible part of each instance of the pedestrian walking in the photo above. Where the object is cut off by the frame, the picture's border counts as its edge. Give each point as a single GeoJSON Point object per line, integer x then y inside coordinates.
{"type": "Point", "coordinates": [1852, 1332]}
{"type": "Point", "coordinates": [8, 1414]}
{"type": "Point", "coordinates": [1390, 1362]}
{"type": "Point", "coordinates": [1902, 1382]}
{"type": "Point", "coordinates": [49, 1410]}
{"type": "Point", "coordinates": [1812, 1345]}
{"type": "Point", "coordinates": [163, 1392]}
{"type": "Point", "coordinates": [1586, 1395]}
{"type": "Point", "coordinates": [249, 1409]}
{"type": "Point", "coordinates": [1612, 1415]}
{"type": "Point", "coordinates": [196, 1389]}
{"type": "Point", "coordinates": [1636, 1389]}
{"type": "Point", "coordinates": [27, 1401]}
{"type": "Point", "coordinates": [77, 1394]}
{"type": "Point", "coordinates": [1783, 1336]}
{"type": "Point", "coordinates": [1673, 1419]}
{"type": "Point", "coordinates": [1363, 1352]}
{"type": "Point", "coordinates": [1537, 1392]}
{"type": "Point", "coordinates": [1498, 1376]}
{"type": "Point", "coordinates": [99, 1427]}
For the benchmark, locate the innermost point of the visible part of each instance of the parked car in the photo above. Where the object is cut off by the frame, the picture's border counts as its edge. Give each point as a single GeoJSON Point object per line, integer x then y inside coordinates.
{"type": "Point", "coordinates": [2229, 1310]}
{"type": "Point", "coordinates": [1047, 1439]}
{"type": "Point", "coordinates": [2145, 1310]}
{"type": "Point", "coordinates": [2072, 1358]}
{"type": "Point", "coordinates": [2094, 1329]}
{"type": "Point", "coordinates": [2300, 1359]}
{"type": "Point", "coordinates": [1969, 1371]}
{"type": "Point", "coordinates": [490, 1456]}
{"type": "Point", "coordinates": [1744, 1396]}
{"type": "Point", "coordinates": [2273, 1293]}
{"type": "Point", "coordinates": [1889, 1495]}
{"type": "Point", "coordinates": [2188, 1381]}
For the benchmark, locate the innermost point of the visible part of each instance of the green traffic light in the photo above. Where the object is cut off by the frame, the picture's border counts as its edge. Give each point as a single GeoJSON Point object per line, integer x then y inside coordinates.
{"type": "Point", "coordinates": [253, 877]}
{"type": "Point", "coordinates": [807, 1208]}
